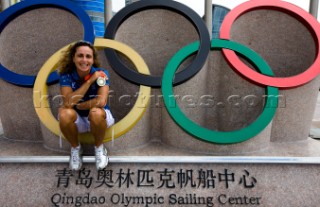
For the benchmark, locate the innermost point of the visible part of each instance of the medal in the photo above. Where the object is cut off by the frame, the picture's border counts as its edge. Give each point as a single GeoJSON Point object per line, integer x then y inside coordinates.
{"type": "Point", "coordinates": [101, 81]}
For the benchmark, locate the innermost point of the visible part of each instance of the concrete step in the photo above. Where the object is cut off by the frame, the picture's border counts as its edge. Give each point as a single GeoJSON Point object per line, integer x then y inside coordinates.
{"type": "Point", "coordinates": [208, 181]}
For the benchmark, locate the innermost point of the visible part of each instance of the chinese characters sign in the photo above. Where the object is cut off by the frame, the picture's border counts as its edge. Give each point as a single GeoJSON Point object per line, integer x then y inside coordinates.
{"type": "Point", "coordinates": [143, 187]}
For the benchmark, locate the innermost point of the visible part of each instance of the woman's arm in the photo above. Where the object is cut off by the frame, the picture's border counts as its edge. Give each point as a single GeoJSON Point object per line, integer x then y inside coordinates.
{"type": "Point", "coordinates": [72, 98]}
{"type": "Point", "coordinates": [99, 101]}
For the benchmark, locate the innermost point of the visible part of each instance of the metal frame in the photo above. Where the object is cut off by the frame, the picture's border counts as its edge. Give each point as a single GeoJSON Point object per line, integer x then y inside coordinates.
{"type": "Point", "coordinates": [314, 7]}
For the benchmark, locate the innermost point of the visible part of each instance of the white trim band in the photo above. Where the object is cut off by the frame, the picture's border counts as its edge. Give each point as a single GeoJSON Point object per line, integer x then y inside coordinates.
{"type": "Point", "coordinates": [168, 159]}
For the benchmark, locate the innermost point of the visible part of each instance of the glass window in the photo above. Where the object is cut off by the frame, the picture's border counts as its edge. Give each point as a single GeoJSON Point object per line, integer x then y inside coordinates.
{"type": "Point", "coordinates": [218, 14]}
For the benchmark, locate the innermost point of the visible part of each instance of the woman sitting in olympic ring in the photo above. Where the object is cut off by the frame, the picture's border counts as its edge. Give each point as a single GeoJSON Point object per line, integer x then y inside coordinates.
{"type": "Point", "coordinates": [84, 88]}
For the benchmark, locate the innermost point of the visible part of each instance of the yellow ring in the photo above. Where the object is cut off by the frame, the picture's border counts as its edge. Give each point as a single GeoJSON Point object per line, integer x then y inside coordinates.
{"type": "Point", "coordinates": [41, 103]}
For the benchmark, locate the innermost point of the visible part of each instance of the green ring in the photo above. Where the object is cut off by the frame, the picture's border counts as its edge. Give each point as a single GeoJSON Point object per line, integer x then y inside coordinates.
{"type": "Point", "coordinates": [210, 135]}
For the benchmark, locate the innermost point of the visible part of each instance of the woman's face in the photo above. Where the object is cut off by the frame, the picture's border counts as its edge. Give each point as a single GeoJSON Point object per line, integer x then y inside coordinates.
{"type": "Point", "coordinates": [83, 58]}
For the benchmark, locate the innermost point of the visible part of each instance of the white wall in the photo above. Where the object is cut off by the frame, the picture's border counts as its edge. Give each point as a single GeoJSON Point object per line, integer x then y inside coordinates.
{"type": "Point", "coordinates": [198, 5]}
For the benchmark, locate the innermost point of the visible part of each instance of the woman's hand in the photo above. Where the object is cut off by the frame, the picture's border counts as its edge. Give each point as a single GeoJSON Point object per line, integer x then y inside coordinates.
{"type": "Point", "coordinates": [96, 75]}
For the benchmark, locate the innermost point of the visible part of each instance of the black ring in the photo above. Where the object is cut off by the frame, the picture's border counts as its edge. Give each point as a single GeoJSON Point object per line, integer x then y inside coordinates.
{"type": "Point", "coordinates": [155, 81]}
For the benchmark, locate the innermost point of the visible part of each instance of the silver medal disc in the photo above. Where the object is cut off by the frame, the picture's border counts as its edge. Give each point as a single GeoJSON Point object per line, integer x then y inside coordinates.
{"type": "Point", "coordinates": [101, 81]}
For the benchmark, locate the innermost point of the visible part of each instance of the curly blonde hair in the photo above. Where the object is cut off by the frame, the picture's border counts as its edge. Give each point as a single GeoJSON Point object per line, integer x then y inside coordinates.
{"type": "Point", "coordinates": [66, 64]}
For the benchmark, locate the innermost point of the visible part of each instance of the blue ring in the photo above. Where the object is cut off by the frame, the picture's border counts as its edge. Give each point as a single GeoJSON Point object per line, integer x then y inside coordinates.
{"type": "Point", "coordinates": [14, 11]}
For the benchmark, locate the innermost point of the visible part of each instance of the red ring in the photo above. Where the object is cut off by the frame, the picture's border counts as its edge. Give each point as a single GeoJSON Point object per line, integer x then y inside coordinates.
{"type": "Point", "coordinates": [300, 14]}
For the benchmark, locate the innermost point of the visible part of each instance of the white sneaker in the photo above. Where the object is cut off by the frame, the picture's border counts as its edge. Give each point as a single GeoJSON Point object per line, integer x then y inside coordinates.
{"type": "Point", "coordinates": [75, 162]}
{"type": "Point", "coordinates": [101, 157]}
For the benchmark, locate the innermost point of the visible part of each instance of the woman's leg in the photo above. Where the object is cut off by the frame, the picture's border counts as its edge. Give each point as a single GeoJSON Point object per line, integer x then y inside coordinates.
{"type": "Point", "coordinates": [67, 118]}
{"type": "Point", "coordinates": [98, 125]}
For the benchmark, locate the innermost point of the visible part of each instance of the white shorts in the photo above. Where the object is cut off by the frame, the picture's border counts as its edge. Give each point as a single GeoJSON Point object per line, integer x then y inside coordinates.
{"type": "Point", "coordinates": [83, 123]}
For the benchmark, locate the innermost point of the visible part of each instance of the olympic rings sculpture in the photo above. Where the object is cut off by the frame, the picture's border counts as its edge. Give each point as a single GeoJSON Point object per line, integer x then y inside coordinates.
{"type": "Point", "coordinates": [25, 6]}
{"type": "Point", "coordinates": [290, 9]}
{"type": "Point", "coordinates": [209, 135]}
{"type": "Point", "coordinates": [169, 79]}
{"type": "Point", "coordinates": [188, 13]}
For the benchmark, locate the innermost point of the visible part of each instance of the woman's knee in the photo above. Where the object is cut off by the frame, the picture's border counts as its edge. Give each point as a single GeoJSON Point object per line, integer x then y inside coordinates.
{"type": "Point", "coordinates": [97, 114]}
{"type": "Point", "coordinates": [67, 115]}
